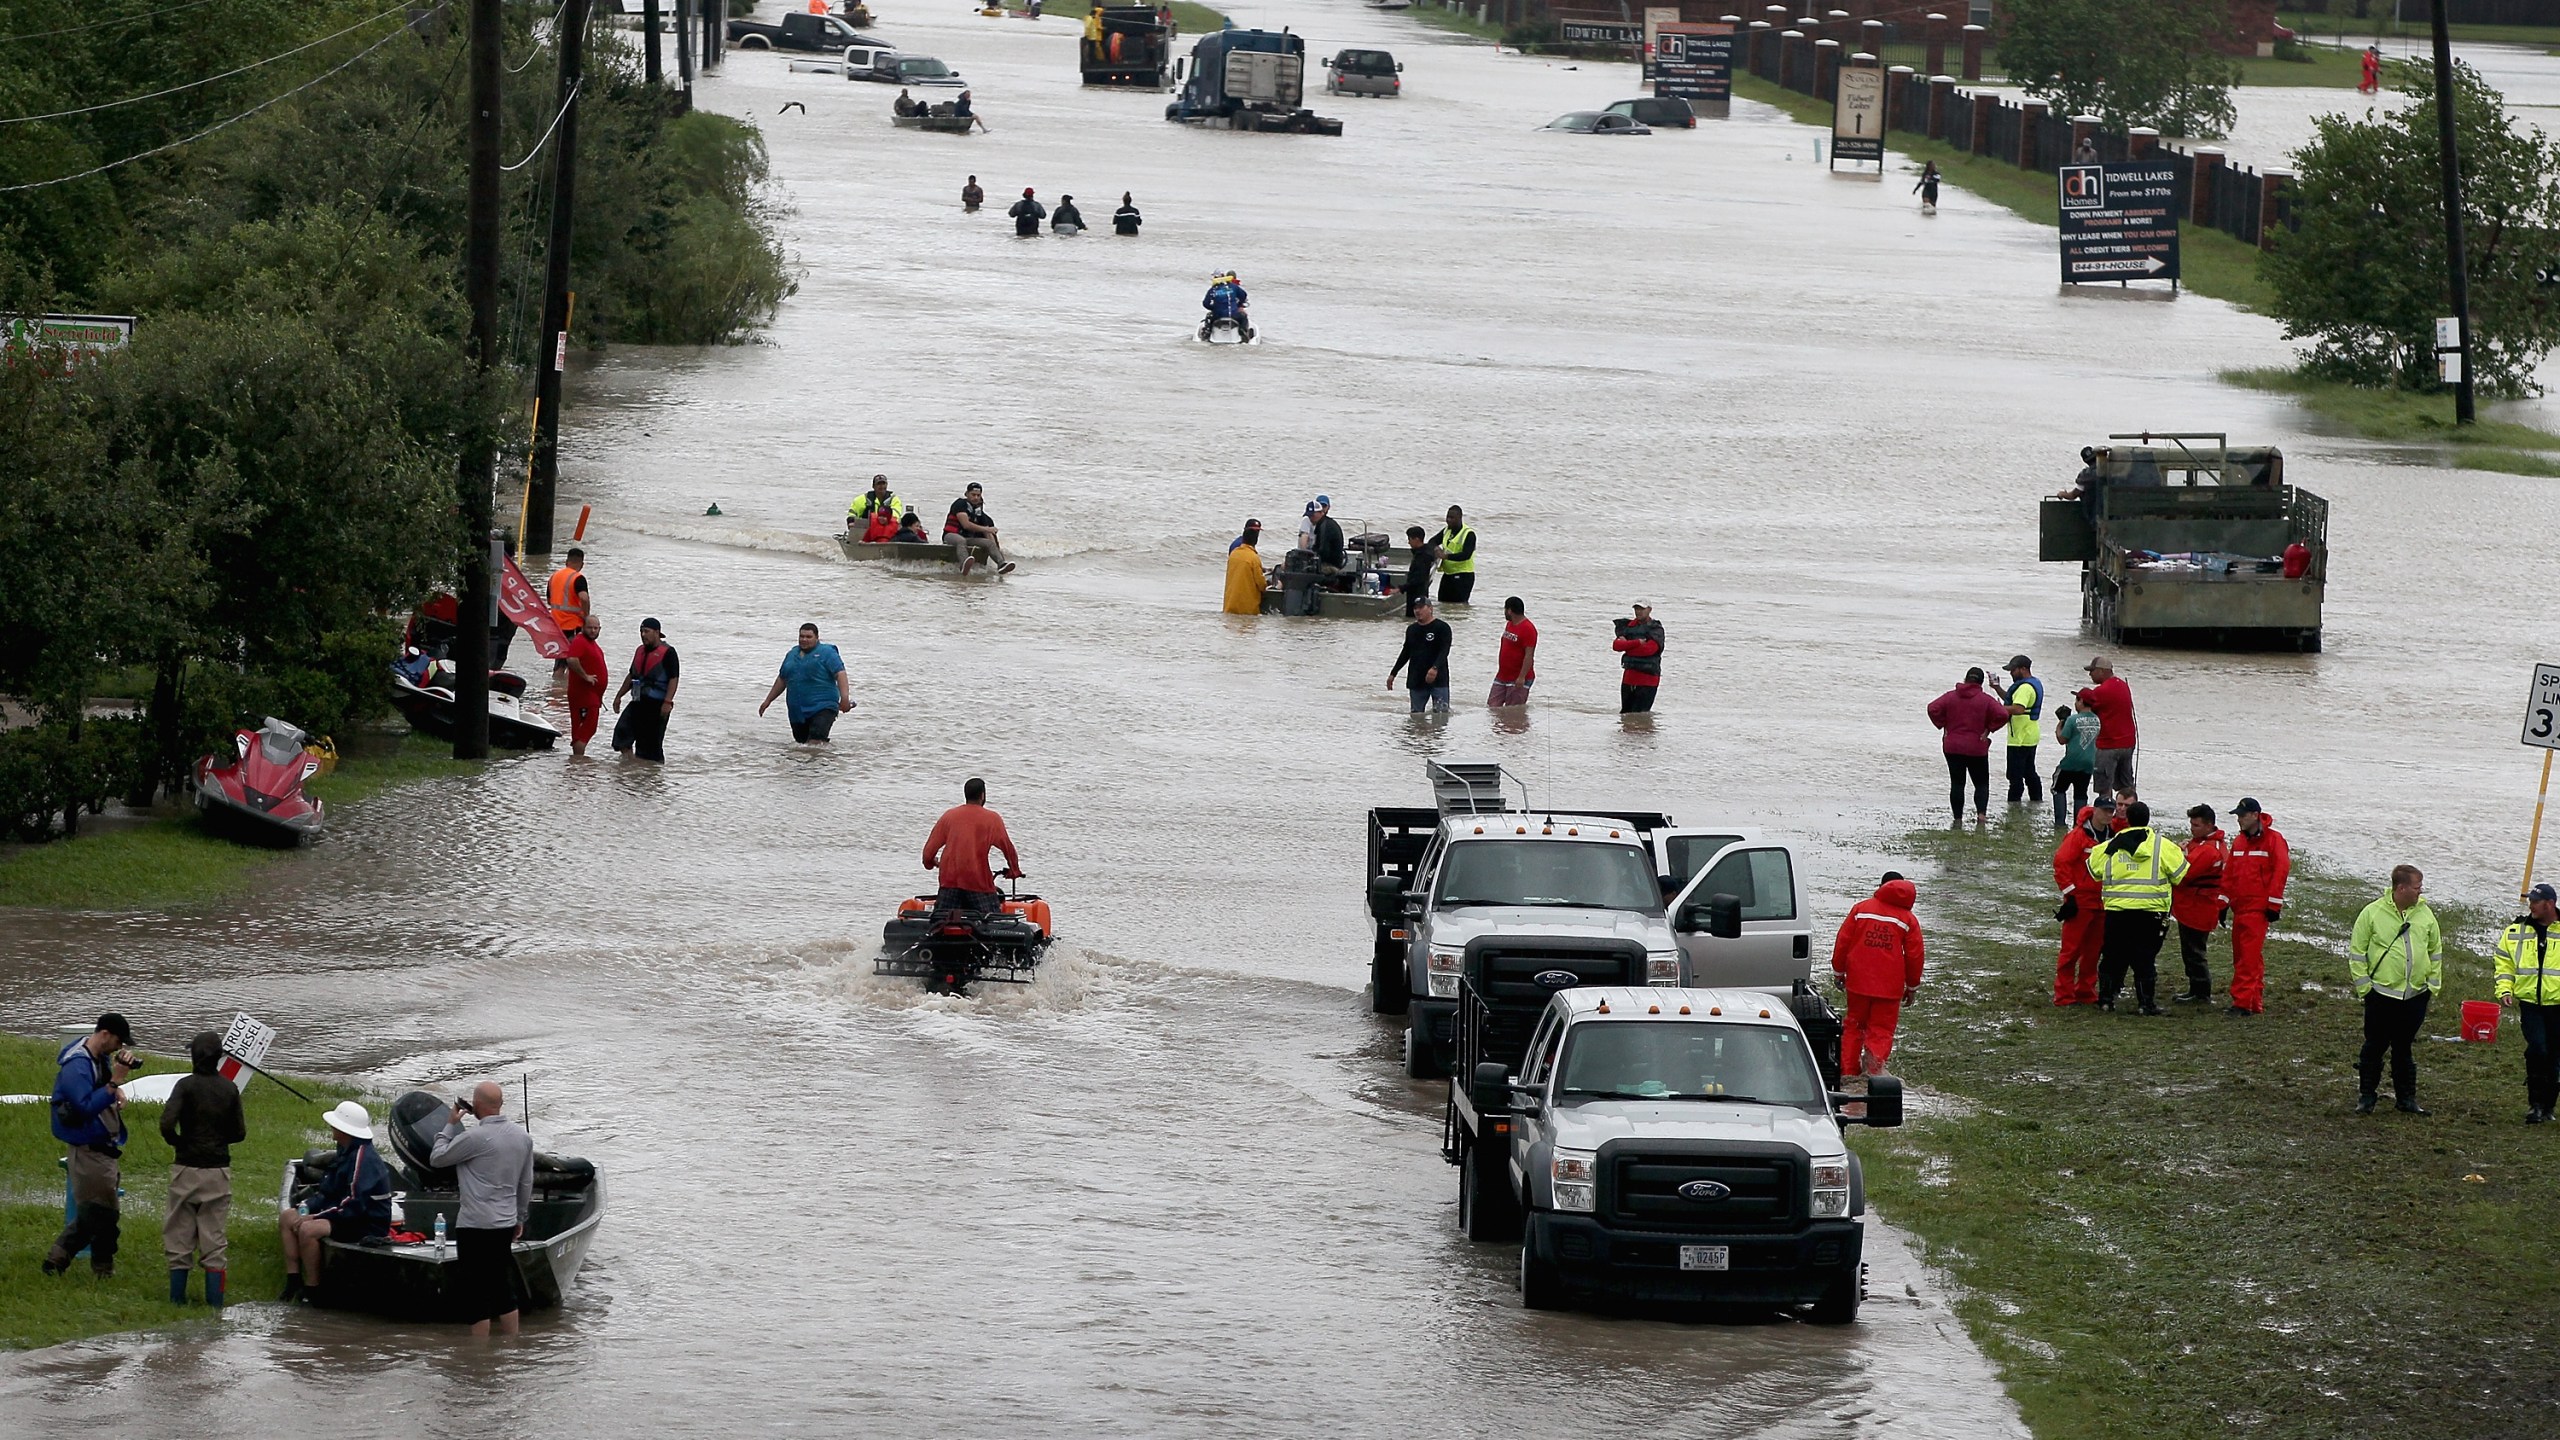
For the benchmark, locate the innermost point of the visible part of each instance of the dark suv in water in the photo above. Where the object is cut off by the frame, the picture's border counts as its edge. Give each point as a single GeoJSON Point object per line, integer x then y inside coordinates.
{"type": "Point", "coordinates": [1363, 72]}
{"type": "Point", "coordinates": [1658, 111]}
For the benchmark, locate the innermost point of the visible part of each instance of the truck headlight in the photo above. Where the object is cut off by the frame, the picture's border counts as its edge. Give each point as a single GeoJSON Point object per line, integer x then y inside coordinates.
{"type": "Point", "coordinates": [1662, 968]}
{"type": "Point", "coordinates": [1572, 1172]}
{"type": "Point", "coordinates": [1830, 1189]}
{"type": "Point", "coordinates": [1445, 964]}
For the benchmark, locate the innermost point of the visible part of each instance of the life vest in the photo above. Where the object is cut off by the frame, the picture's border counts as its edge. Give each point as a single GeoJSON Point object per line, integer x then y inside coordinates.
{"type": "Point", "coordinates": [564, 599]}
{"type": "Point", "coordinates": [2529, 963]}
{"type": "Point", "coordinates": [863, 506]}
{"type": "Point", "coordinates": [648, 681]}
{"type": "Point", "coordinates": [1458, 540]}
{"type": "Point", "coordinates": [2023, 729]}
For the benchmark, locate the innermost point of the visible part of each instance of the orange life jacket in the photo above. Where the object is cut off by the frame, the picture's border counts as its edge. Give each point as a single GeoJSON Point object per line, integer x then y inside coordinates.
{"type": "Point", "coordinates": [564, 599]}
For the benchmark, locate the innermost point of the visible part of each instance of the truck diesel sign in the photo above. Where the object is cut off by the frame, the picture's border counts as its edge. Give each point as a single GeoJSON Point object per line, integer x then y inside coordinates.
{"type": "Point", "coordinates": [2120, 222]}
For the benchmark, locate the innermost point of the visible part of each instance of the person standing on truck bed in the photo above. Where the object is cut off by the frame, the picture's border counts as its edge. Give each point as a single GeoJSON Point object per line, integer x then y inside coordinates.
{"type": "Point", "coordinates": [1966, 717]}
{"type": "Point", "coordinates": [1457, 545]}
{"type": "Point", "coordinates": [2024, 695]}
{"type": "Point", "coordinates": [2197, 903]}
{"type": "Point", "coordinates": [1640, 674]}
{"type": "Point", "coordinates": [1027, 214]}
{"type": "Point", "coordinates": [2084, 919]}
{"type": "Point", "coordinates": [2135, 871]}
{"type": "Point", "coordinates": [1878, 956]}
{"type": "Point", "coordinates": [958, 849]}
{"type": "Point", "coordinates": [1424, 660]}
{"type": "Point", "coordinates": [1515, 666]}
{"type": "Point", "coordinates": [2111, 700]}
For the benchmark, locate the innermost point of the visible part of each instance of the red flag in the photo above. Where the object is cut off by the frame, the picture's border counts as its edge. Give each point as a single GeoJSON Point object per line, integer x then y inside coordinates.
{"type": "Point", "coordinates": [520, 602]}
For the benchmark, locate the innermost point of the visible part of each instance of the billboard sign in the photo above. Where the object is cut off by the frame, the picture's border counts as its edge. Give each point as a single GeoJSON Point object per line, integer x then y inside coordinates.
{"type": "Point", "coordinates": [1857, 118]}
{"type": "Point", "coordinates": [1695, 62]}
{"type": "Point", "coordinates": [2120, 222]}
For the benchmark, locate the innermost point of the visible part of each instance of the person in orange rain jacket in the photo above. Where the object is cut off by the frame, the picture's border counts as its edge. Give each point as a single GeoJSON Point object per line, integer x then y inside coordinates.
{"type": "Point", "coordinates": [2253, 877]}
{"type": "Point", "coordinates": [1877, 956]}
{"type": "Point", "coordinates": [2197, 904]}
{"type": "Point", "coordinates": [2084, 919]}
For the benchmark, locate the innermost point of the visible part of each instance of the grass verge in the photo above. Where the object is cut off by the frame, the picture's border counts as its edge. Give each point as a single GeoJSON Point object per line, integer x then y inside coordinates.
{"type": "Point", "coordinates": [174, 861]}
{"type": "Point", "coordinates": [2411, 415]}
{"type": "Point", "coordinates": [40, 1310]}
{"type": "Point", "coordinates": [2344, 29]}
{"type": "Point", "coordinates": [2178, 1226]}
{"type": "Point", "coordinates": [2324, 67]}
{"type": "Point", "coordinates": [1441, 17]}
{"type": "Point", "coordinates": [2212, 262]}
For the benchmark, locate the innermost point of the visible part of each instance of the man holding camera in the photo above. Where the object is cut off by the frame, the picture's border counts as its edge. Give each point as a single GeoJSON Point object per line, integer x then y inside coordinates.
{"type": "Point", "coordinates": [88, 1116]}
{"type": "Point", "coordinates": [493, 1167]}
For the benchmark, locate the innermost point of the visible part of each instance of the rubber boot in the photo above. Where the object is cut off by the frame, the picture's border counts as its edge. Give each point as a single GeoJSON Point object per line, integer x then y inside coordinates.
{"type": "Point", "coordinates": [292, 1288]}
{"type": "Point", "coordinates": [213, 1288]}
{"type": "Point", "coordinates": [178, 1286]}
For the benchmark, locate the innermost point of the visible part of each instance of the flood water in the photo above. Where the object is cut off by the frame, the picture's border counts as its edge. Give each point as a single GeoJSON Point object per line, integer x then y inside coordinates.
{"type": "Point", "coordinates": [1178, 1186]}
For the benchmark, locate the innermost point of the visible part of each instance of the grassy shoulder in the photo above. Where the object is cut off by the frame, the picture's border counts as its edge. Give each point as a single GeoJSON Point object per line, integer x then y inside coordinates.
{"type": "Point", "coordinates": [39, 1310]}
{"type": "Point", "coordinates": [2178, 1226]}
{"type": "Point", "coordinates": [2344, 29]}
{"type": "Point", "coordinates": [2408, 415]}
{"type": "Point", "coordinates": [174, 861]}
{"type": "Point", "coordinates": [2214, 264]}
{"type": "Point", "coordinates": [1443, 17]}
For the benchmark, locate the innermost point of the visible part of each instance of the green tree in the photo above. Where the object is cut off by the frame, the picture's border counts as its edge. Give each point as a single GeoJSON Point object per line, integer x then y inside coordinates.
{"type": "Point", "coordinates": [2363, 277]}
{"type": "Point", "coordinates": [2128, 62]}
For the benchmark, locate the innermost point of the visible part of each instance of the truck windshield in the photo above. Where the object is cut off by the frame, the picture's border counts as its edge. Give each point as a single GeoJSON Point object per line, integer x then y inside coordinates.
{"type": "Point", "coordinates": [922, 69]}
{"type": "Point", "coordinates": [1689, 1060]}
{"type": "Point", "coordinates": [1549, 872]}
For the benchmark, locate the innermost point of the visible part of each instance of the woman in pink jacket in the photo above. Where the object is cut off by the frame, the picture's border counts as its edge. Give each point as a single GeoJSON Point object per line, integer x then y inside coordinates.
{"type": "Point", "coordinates": [1967, 717]}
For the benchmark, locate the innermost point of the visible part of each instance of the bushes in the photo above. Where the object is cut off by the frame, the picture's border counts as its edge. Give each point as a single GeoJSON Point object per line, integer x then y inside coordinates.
{"type": "Point", "coordinates": [48, 772]}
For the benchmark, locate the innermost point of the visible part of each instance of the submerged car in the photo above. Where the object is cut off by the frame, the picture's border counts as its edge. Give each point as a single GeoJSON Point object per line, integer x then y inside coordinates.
{"type": "Point", "coordinates": [1597, 122]}
{"type": "Point", "coordinates": [1667, 111]}
{"type": "Point", "coordinates": [893, 68]}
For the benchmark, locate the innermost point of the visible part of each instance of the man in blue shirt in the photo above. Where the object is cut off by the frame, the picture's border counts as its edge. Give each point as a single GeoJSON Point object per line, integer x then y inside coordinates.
{"type": "Point", "coordinates": [88, 1116]}
{"type": "Point", "coordinates": [813, 675]}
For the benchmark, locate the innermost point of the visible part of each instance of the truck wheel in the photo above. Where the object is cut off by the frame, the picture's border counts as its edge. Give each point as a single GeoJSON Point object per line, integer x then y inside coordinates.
{"type": "Point", "coordinates": [1839, 1303]}
{"type": "Point", "coordinates": [1386, 985]}
{"type": "Point", "coordinates": [1486, 1209]}
{"type": "Point", "coordinates": [1540, 1287]}
{"type": "Point", "coordinates": [755, 42]}
{"type": "Point", "coordinates": [1418, 1061]}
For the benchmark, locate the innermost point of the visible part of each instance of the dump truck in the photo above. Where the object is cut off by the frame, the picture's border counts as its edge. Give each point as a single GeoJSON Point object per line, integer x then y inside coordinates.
{"type": "Point", "coordinates": [1128, 45]}
{"type": "Point", "coordinates": [1247, 80]}
{"type": "Point", "coordinates": [2183, 539]}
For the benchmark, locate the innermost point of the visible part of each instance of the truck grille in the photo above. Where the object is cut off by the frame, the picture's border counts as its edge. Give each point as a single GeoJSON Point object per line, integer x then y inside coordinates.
{"type": "Point", "coordinates": [1761, 1191]}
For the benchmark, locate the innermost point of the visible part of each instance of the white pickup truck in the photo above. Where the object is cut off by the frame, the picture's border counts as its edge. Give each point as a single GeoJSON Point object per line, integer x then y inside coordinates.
{"type": "Point", "coordinates": [1671, 1144]}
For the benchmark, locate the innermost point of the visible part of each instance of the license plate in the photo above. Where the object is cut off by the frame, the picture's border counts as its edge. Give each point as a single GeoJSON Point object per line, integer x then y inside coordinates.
{"type": "Point", "coordinates": [1706, 1257]}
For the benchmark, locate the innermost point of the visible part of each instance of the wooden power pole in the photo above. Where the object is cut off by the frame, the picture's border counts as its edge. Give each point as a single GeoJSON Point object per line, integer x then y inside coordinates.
{"type": "Point", "coordinates": [476, 599]}
{"type": "Point", "coordinates": [651, 69]}
{"type": "Point", "coordinates": [544, 482]}
{"type": "Point", "coordinates": [2457, 266]}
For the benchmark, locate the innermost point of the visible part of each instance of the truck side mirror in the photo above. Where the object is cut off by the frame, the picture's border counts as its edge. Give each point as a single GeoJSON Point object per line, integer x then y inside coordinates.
{"type": "Point", "coordinates": [1492, 1088]}
{"type": "Point", "coordinates": [1724, 916]}
{"type": "Point", "coordinates": [1884, 1102]}
{"type": "Point", "coordinates": [1386, 896]}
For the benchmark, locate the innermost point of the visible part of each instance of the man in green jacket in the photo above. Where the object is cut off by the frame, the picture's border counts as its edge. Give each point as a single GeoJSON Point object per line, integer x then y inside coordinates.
{"type": "Point", "coordinates": [2396, 960]}
{"type": "Point", "coordinates": [2529, 982]}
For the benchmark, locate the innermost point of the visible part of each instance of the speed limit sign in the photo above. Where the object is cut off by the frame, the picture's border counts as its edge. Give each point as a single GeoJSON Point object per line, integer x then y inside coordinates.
{"type": "Point", "coordinates": [2542, 712]}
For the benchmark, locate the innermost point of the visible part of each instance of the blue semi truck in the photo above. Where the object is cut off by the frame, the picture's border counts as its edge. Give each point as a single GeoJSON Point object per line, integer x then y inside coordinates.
{"type": "Point", "coordinates": [1247, 80]}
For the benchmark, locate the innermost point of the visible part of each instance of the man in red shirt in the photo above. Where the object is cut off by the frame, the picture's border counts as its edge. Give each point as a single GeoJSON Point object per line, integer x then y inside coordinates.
{"type": "Point", "coordinates": [584, 661]}
{"type": "Point", "coordinates": [1640, 674]}
{"type": "Point", "coordinates": [1877, 955]}
{"type": "Point", "coordinates": [2253, 878]}
{"type": "Point", "coordinates": [958, 848]}
{"type": "Point", "coordinates": [2111, 700]}
{"type": "Point", "coordinates": [2196, 902]}
{"type": "Point", "coordinates": [1515, 669]}
{"type": "Point", "coordinates": [2084, 919]}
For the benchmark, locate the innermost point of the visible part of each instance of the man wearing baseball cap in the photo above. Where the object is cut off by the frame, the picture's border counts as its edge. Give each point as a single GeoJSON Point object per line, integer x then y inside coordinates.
{"type": "Point", "coordinates": [2529, 983]}
{"type": "Point", "coordinates": [88, 1116]}
{"type": "Point", "coordinates": [1640, 675]}
{"type": "Point", "coordinates": [2253, 879]}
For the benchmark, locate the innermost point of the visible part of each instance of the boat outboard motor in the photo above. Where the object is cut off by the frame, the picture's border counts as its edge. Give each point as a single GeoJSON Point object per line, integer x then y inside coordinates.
{"type": "Point", "coordinates": [417, 1118]}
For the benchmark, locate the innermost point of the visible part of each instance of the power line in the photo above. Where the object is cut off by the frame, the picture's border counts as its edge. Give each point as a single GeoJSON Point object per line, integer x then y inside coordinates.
{"type": "Point", "coordinates": [546, 134]}
{"type": "Point", "coordinates": [220, 124]}
{"type": "Point", "coordinates": [209, 79]}
{"type": "Point", "coordinates": [151, 14]}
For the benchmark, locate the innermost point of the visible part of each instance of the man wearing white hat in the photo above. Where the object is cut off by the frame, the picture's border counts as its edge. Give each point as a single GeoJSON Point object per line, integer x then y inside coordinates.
{"type": "Point", "coordinates": [351, 1202]}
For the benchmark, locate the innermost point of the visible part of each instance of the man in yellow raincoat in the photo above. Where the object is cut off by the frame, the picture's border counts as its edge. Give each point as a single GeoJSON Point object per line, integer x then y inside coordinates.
{"type": "Point", "coordinates": [1244, 571]}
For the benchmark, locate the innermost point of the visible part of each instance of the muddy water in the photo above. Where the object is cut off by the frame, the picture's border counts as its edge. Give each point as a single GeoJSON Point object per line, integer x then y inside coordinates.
{"type": "Point", "coordinates": [1177, 1185]}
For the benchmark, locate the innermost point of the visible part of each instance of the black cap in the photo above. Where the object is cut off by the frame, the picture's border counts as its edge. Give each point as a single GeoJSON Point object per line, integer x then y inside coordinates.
{"type": "Point", "coordinates": [652, 624]}
{"type": "Point", "coordinates": [2247, 806]}
{"type": "Point", "coordinates": [2021, 662]}
{"type": "Point", "coordinates": [1889, 877]}
{"type": "Point", "coordinates": [114, 1024]}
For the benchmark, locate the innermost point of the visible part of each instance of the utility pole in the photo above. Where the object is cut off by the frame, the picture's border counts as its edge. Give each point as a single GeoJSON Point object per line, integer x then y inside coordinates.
{"type": "Point", "coordinates": [651, 70]}
{"type": "Point", "coordinates": [480, 448]}
{"type": "Point", "coordinates": [543, 484]}
{"type": "Point", "coordinates": [2457, 267]}
{"type": "Point", "coordinates": [684, 55]}
{"type": "Point", "coordinates": [715, 34]}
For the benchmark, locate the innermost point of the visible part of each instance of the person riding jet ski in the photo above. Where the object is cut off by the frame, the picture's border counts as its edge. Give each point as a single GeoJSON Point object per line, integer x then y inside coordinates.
{"type": "Point", "coordinates": [1226, 301]}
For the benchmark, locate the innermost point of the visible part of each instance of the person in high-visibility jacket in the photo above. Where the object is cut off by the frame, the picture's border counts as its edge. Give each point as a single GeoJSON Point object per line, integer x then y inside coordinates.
{"type": "Point", "coordinates": [2024, 695]}
{"type": "Point", "coordinates": [1244, 571]}
{"type": "Point", "coordinates": [2136, 870]}
{"type": "Point", "coordinates": [2253, 880]}
{"type": "Point", "coordinates": [568, 597]}
{"type": "Point", "coordinates": [1878, 956]}
{"type": "Point", "coordinates": [857, 516]}
{"type": "Point", "coordinates": [1457, 544]}
{"type": "Point", "coordinates": [2396, 959]}
{"type": "Point", "coordinates": [2084, 921]}
{"type": "Point", "coordinates": [2529, 983]}
{"type": "Point", "coordinates": [2197, 903]}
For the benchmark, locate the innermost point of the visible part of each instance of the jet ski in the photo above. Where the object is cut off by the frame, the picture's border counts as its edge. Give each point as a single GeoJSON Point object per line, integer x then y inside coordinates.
{"type": "Point", "coordinates": [422, 691]}
{"type": "Point", "coordinates": [952, 950]}
{"type": "Point", "coordinates": [257, 796]}
{"type": "Point", "coordinates": [1224, 330]}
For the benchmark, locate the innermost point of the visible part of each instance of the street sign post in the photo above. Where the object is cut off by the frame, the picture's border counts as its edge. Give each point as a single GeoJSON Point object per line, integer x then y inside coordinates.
{"type": "Point", "coordinates": [2120, 222]}
{"type": "Point", "coordinates": [2542, 731]}
{"type": "Point", "coordinates": [1695, 62]}
{"type": "Point", "coordinates": [1857, 119]}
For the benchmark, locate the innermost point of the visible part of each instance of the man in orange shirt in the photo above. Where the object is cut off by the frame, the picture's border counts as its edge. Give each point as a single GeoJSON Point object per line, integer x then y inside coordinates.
{"type": "Point", "coordinates": [1877, 955]}
{"type": "Point", "coordinates": [958, 848]}
{"type": "Point", "coordinates": [2083, 917]}
{"type": "Point", "coordinates": [584, 662]}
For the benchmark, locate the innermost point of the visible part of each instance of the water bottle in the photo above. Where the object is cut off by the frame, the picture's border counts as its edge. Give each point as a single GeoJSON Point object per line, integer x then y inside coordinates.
{"type": "Point", "coordinates": [439, 1236]}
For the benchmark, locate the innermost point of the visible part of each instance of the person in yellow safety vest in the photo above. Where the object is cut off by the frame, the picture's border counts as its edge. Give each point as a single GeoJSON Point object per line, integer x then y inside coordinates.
{"type": "Point", "coordinates": [568, 599]}
{"type": "Point", "coordinates": [1093, 34]}
{"type": "Point", "coordinates": [1244, 571]}
{"type": "Point", "coordinates": [2396, 959]}
{"type": "Point", "coordinates": [1457, 545]}
{"type": "Point", "coordinates": [2025, 698]}
{"type": "Point", "coordinates": [2135, 870]}
{"type": "Point", "coordinates": [857, 516]}
{"type": "Point", "coordinates": [2529, 983]}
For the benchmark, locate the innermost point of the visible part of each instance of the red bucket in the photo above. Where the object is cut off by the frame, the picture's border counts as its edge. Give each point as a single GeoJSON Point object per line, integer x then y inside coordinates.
{"type": "Point", "coordinates": [2480, 1021]}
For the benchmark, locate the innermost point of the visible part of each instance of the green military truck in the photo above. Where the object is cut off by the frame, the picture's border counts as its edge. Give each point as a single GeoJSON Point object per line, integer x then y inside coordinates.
{"type": "Point", "coordinates": [2184, 540]}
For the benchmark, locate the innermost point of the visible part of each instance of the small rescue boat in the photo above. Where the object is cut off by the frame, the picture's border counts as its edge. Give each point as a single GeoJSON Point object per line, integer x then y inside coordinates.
{"type": "Point", "coordinates": [953, 950]}
{"type": "Point", "coordinates": [257, 797]}
{"type": "Point", "coordinates": [422, 691]}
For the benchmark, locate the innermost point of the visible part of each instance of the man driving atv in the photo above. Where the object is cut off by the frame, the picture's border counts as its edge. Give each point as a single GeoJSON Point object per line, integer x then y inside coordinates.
{"type": "Point", "coordinates": [958, 849]}
{"type": "Point", "coordinates": [1226, 301]}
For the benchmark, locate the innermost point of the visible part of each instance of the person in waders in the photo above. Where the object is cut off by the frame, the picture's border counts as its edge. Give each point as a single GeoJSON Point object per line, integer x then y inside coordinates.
{"type": "Point", "coordinates": [1927, 189]}
{"type": "Point", "coordinates": [1027, 214]}
{"type": "Point", "coordinates": [652, 678]}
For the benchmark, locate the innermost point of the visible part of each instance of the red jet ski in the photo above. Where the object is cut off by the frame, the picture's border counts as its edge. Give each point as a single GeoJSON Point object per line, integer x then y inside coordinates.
{"type": "Point", "coordinates": [257, 797]}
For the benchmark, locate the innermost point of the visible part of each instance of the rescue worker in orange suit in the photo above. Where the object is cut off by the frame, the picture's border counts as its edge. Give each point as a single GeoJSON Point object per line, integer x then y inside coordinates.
{"type": "Point", "coordinates": [2084, 920]}
{"type": "Point", "coordinates": [2197, 903]}
{"type": "Point", "coordinates": [2253, 876]}
{"type": "Point", "coordinates": [1877, 955]}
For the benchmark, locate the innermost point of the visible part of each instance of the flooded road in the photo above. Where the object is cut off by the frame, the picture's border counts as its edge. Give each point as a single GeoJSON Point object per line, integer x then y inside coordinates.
{"type": "Point", "coordinates": [1178, 1185]}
